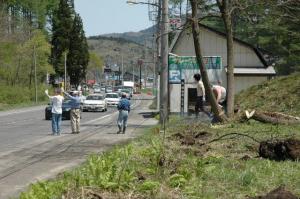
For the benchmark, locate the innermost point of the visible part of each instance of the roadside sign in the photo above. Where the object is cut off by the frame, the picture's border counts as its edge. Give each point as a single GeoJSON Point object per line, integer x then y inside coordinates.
{"type": "Point", "coordinates": [184, 67]}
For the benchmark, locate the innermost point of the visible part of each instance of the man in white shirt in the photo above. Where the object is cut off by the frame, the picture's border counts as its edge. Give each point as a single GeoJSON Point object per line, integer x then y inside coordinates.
{"type": "Point", "coordinates": [200, 95]}
{"type": "Point", "coordinates": [56, 102]}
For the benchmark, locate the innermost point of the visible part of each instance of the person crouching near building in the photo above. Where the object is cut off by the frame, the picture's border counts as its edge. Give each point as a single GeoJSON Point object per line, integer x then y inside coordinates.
{"type": "Point", "coordinates": [124, 109]}
{"type": "Point", "coordinates": [200, 95]}
{"type": "Point", "coordinates": [75, 111]}
{"type": "Point", "coordinates": [56, 101]}
{"type": "Point", "coordinates": [220, 95]}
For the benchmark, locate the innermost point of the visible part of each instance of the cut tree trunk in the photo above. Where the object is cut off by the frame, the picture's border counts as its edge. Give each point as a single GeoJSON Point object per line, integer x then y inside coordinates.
{"type": "Point", "coordinates": [275, 118]}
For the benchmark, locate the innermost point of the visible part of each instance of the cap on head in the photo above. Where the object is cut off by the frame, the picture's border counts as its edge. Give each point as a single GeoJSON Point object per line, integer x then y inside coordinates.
{"type": "Point", "coordinates": [123, 95]}
{"type": "Point", "coordinates": [74, 93]}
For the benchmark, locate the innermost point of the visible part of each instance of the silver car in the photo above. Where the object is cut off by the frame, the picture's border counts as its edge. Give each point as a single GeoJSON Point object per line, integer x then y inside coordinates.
{"type": "Point", "coordinates": [94, 102]}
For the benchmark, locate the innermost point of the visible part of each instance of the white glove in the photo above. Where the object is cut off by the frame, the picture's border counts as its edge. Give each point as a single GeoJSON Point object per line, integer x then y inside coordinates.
{"type": "Point", "coordinates": [46, 91]}
{"type": "Point", "coordinates": [62, 89]}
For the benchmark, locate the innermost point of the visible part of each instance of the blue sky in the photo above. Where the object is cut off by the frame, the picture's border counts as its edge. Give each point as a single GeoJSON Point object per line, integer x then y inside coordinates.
{"type": "Point", "coordinates": [111, 16]}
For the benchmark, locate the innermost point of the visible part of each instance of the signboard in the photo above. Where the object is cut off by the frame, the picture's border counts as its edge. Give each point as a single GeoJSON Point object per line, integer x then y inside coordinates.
{"type": "Point", "coordinates": [182, 67]}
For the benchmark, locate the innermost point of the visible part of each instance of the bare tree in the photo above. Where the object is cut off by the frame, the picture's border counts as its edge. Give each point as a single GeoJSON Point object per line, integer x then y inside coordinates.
{"type": "Point", "coordinates": [208, 90]}
{"type": "Point", "coordinates": [226, 8]}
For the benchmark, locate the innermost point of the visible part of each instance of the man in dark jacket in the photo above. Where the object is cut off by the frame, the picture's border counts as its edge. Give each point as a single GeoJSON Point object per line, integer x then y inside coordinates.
{"type": "Point", "coordinates": [124, 109]}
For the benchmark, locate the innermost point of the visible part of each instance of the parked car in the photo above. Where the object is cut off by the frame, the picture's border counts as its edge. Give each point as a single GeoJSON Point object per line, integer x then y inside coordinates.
{"type": "Point", "coordinates": [66, 108]}
{"type": "Point", "coordinates": [94, 102]}
{"type": "Point", "coordinates": [112, 99]}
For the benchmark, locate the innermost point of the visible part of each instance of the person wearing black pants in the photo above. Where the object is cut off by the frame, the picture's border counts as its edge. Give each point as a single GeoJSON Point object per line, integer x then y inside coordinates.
{"type": "Point", "coordinates": [200, 94]}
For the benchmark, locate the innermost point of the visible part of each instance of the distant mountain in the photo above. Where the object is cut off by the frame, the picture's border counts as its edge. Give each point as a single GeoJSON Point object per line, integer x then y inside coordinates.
{"type": "Point", "coordinates": [114, 50]}
{"type": "Point", "coordinates": [143, 37]}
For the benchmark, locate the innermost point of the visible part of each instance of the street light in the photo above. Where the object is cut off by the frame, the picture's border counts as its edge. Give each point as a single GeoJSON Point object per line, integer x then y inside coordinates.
{"type": "Point", "coordinates": [140, 2]}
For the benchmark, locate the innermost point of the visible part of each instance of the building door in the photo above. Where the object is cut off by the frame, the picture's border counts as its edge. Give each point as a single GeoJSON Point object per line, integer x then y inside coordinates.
{"type": "Point", "coordinates": [192, 97]}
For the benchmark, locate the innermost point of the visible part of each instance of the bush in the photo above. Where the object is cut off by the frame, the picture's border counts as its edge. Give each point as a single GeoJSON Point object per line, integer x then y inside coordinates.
{"type": "Point", "coordinates": [15, 95]}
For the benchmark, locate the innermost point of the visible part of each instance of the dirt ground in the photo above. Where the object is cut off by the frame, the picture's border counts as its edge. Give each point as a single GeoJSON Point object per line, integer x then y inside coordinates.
{"type": "Point", "coordinates": [279, 193]}
{"type": "Point", "coordinates": [280, 149]}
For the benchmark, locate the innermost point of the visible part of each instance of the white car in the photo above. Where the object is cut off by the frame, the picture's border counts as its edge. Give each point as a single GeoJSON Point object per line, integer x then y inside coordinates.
{"type": "Point", "coordinates": [94, 102]}
{"type": "Point", "coordinates": [112, 99]}
{"type": "Point", "coordinates": [97, 90]}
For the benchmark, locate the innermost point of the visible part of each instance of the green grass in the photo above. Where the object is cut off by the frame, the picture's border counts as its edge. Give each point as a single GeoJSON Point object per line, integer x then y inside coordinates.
{"type": "Point", "coordinates": [215, 170]}
{"type": "Point", "coordinates": [18, 96]}
{"type": "Point", "coordinates": [280, 94]}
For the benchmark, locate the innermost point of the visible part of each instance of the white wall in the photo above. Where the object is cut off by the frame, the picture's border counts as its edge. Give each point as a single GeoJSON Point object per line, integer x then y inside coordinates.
{"type": "Point", "coordinates": [213, 44]}
{"type": "Point", "coordinates": [244, 82]}
{"type": "Point", "coordinates": [175, 97]}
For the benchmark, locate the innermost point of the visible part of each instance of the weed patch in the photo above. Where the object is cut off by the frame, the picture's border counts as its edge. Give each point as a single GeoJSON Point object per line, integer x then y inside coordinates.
{"type": "Point", "coordinates": [154, 167]}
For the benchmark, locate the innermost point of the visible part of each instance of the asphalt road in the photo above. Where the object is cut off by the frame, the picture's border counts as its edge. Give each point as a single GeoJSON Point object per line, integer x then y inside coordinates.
{"type": "Point", "coordinates": [28, 151]}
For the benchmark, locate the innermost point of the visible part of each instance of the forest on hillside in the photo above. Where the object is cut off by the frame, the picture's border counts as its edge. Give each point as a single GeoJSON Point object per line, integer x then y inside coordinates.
{"type": "Point", "coordinates": [35, 38]}
{"type": "Point", "coordinates": [23, 32]}
{"type": "Point", "coordinates": [26, 30]}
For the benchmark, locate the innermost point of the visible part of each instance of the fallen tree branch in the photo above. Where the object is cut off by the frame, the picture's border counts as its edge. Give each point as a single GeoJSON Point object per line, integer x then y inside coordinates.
{"type": "Point", "coordinates": [275, 118]}
{"type": "Point", "coordinates": [230, 134]}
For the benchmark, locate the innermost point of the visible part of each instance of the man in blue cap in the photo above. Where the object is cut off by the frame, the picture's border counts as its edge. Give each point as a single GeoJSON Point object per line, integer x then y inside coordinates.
{"type": "Point", "coordinates": [124, 109]}
{"type": "Point", "coordinates": [75, 111]}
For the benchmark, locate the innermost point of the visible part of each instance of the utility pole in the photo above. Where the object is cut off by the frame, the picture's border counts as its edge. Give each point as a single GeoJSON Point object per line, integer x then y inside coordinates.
{"type": "Point", "coordinates": [158, 55]}
{"type": "Point", "coordinates": [35, 78]}
{"type": "Point", "coordinates": [122, 68]}
{"type": "Point", "coordinates": [140, 63]}
{"type": "Point", "coordinates": [164, 96]}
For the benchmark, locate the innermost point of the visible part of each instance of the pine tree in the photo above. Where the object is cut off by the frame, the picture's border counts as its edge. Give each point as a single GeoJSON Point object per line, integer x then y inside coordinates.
{"type": "Point", "coordinates": [61, 32]}
{"type": "Point", "coordinates": [78, 56]}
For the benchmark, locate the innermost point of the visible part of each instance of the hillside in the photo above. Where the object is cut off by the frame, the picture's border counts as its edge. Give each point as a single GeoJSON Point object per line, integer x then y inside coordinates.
{"type": "Point", "coordinates": [106, 47]}
{"type": "Point", "coordinates": [143, 37]}
{"type": "Point", "coordinates": [280, 95]}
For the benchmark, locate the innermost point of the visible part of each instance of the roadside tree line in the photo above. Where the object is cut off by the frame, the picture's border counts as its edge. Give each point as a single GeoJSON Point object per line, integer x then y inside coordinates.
{"type": "Point", "coordinates": [39, 34]}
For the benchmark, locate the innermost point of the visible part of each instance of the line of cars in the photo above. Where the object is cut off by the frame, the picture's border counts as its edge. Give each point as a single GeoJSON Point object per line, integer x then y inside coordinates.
{"type": "Point", "coordinates": [93, 102]}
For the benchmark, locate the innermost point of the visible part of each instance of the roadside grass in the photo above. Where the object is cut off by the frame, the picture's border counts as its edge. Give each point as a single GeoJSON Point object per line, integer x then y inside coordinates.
{"type": "Point", "coordinates": [154, 167]}
{"type": "Point", "coordinates": [18, 96]}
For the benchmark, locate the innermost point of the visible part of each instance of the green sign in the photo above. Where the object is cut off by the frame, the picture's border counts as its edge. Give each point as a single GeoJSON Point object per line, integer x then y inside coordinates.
{"type": "Point", "coordinates": [184, 62]}
{"type": "Point", "coordinates": [177, 64]}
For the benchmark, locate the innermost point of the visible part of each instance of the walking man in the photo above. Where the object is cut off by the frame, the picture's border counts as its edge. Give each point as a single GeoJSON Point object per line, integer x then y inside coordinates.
{"type": "Point", "coordinates": [56, 111]}
{"type": "Point", "coordinates": [124, 109]}
{"type": "Point", "coordinates": [75, 111]}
